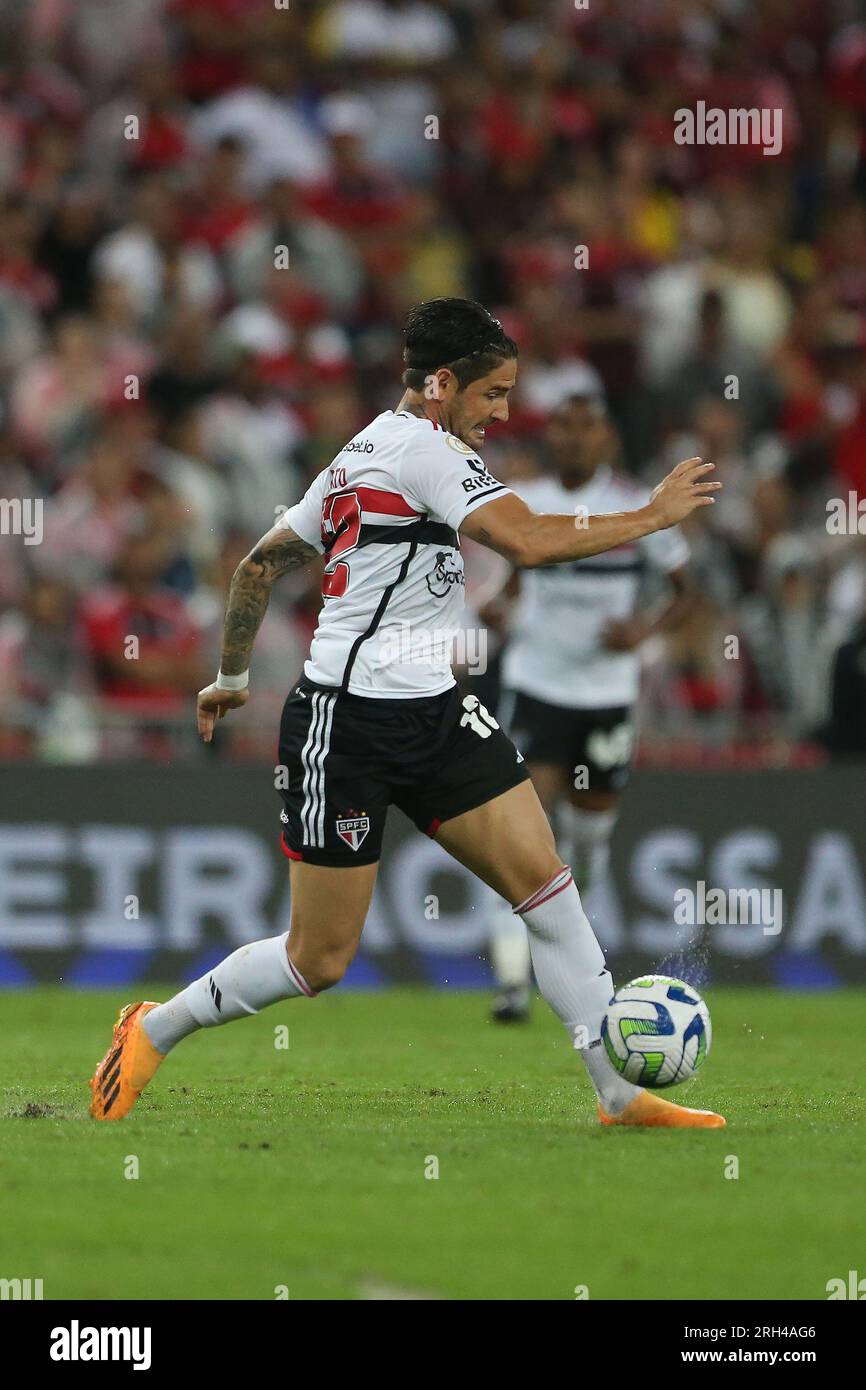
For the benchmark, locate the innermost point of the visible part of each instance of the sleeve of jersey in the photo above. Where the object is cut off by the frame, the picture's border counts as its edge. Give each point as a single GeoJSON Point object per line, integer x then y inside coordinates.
{"type": "Point", "coordinates": [447, 479]}
{"type": "Point", "coordinates": [305, 517]}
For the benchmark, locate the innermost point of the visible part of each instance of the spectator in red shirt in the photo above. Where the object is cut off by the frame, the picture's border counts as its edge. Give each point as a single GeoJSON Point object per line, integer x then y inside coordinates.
{"type": "Point", "coordinates": [357, 197]}
{"type": "Point", "coordinates": [215, 38]}
{"type": "Point", "coordinates": [143, 644]}
{"type": "Point", "coordinates": [218, 207]}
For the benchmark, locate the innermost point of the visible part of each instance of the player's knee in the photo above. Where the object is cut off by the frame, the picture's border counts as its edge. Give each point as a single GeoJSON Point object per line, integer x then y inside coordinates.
{"type": "Point", "coordinates": [325, 969]}
{"type": "Point", "coordinates": [329, 975]}
{"type": "Point", "coordinates": [531, 875]}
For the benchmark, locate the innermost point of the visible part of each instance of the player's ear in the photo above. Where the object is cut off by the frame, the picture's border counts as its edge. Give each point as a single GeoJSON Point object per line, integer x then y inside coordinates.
{"type": "Point", "coordinates": [432, 388]}
{"type": "Point", "coordinates": [441, 385]}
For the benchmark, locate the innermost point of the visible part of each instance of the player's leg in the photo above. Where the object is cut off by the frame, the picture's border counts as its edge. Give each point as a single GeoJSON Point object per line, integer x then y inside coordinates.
{"type": "Point", "coordinates": [601, 750]}
{"type": "Point", "coordinates": [584, 824]}
{"type": "Point", "coordinates": [509, 844]}
{"type": "Point", "coordinates": [329, 906]}
{"type": "Point", "coordinates": [334, 863]}
{"type": "Point", "coordinates": [509, 945]}
{"type": "Point", "coordinates": [539, 730]}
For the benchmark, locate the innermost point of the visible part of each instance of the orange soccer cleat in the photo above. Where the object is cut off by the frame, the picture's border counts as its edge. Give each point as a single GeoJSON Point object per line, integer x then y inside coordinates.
{"type": "Point", "coordinates": [650, 1109]}
{"type": "Point", "coordinates": [127, 1066]}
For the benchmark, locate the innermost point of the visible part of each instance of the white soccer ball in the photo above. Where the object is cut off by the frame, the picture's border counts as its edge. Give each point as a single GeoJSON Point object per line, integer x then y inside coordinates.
{"type": "Point", "coordinates": [657, 1031]}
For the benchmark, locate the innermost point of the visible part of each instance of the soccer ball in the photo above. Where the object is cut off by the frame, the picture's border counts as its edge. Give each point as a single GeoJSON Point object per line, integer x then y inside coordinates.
{"type": "Point", "coordinates": [657, 1031]}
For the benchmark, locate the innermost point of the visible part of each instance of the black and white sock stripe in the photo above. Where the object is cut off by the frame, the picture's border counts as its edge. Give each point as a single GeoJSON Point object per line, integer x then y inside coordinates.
{"type": "Point", "coordinates": [313, 756]}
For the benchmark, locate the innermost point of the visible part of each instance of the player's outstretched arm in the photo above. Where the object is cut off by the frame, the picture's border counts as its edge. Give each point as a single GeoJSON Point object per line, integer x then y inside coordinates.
{"type": "Point", "coordinates": [277, 553]}
{"type": "Point", "coordinates": [528, 539]}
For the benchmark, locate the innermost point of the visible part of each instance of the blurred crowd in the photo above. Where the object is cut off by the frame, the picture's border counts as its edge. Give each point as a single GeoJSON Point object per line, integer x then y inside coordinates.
{"type": "Point", "coordinates": [214, 215]}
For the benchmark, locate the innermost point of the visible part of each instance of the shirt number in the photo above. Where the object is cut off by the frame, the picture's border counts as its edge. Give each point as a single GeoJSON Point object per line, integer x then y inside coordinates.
{"type": "Point", "coordinates": [341, 527]}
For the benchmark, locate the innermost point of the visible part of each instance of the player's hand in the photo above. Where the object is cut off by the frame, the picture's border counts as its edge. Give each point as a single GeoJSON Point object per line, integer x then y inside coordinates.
{"type": "Point", "coordinates": [212, 703]}
{"type": "Point", "coordinates": [494, 614]}
{"type": "Point", "coordinates": [686, 487]}
{"type": "Point", "coordinates": [623, 634]}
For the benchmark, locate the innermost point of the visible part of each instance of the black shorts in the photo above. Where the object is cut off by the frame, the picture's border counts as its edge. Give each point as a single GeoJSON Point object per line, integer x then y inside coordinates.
{"type": "Point", "coordinates": [344, 759]}
{"type": "Point", "coordinates": [599, 741]}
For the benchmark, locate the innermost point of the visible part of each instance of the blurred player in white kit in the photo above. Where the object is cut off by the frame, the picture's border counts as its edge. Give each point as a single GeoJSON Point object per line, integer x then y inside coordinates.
{"type": "Point", "coordinates": [571, 665]}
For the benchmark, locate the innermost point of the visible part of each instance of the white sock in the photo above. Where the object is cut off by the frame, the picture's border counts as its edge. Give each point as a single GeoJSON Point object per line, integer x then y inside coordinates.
{"type": "Point", "coordinates": [613, 1091]}
{"type": "Point", "coordinates": [244, 983]}
{"type": "Point", "coordinates": [583, 839]}
{"type": "Point", "coordinates": [570, 970]}
{"type": "Point", "coordinates": [509, 947]}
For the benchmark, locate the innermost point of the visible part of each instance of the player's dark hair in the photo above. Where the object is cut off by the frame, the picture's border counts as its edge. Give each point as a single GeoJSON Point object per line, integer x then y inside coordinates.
{"type": "Point", "coordinates": [456, 333]}
{"type": "Point", "coordinates": [590, 398]}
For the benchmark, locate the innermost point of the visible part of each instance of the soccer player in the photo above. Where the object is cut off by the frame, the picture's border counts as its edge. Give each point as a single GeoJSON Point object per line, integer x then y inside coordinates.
{"type": "Point", "coordinates": [571, 668]}
{"type": "Point", "coordinates": [377, 718]}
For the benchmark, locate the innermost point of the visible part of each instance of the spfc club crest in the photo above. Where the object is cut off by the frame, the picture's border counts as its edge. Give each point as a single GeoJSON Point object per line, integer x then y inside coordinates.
{"type": "Point", "coordinates": [353, 829]}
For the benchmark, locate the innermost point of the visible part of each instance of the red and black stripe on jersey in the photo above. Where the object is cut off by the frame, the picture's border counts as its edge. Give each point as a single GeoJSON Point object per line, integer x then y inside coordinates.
{"type": "Point", "coordinates": [345, 531]}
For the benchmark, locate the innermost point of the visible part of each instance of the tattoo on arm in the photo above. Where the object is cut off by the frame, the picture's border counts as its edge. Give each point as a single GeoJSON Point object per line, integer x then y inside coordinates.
{"type": "Point", "coordinates": [277, 553]}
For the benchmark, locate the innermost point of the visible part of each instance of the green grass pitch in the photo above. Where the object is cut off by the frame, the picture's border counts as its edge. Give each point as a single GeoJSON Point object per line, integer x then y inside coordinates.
{"type": "Point", "coordinates": [304, 1168]}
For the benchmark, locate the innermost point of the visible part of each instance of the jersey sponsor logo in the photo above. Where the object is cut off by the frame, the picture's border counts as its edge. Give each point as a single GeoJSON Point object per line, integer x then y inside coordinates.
{"type": "Point", "coordinates": [353, 829]}
{"type": "Point", "coordinates": [358, 446]}
{"type": "Point", "coordinates": [610, 748]}
{"type": "Point", "coordinates": [443, 575]}
{"type": "Point", "coordinates": [481, 479]}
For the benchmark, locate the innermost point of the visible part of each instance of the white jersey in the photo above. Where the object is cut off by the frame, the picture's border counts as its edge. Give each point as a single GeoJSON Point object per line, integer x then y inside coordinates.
{"type": "Point", "coordinates": [386, 513]}
{"type": "Point", "coordinates": [555, 650]}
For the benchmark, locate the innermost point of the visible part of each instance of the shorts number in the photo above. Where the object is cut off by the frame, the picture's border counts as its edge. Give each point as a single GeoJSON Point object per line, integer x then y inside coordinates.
{"type": "Point", "coordinates": [477, 717]}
